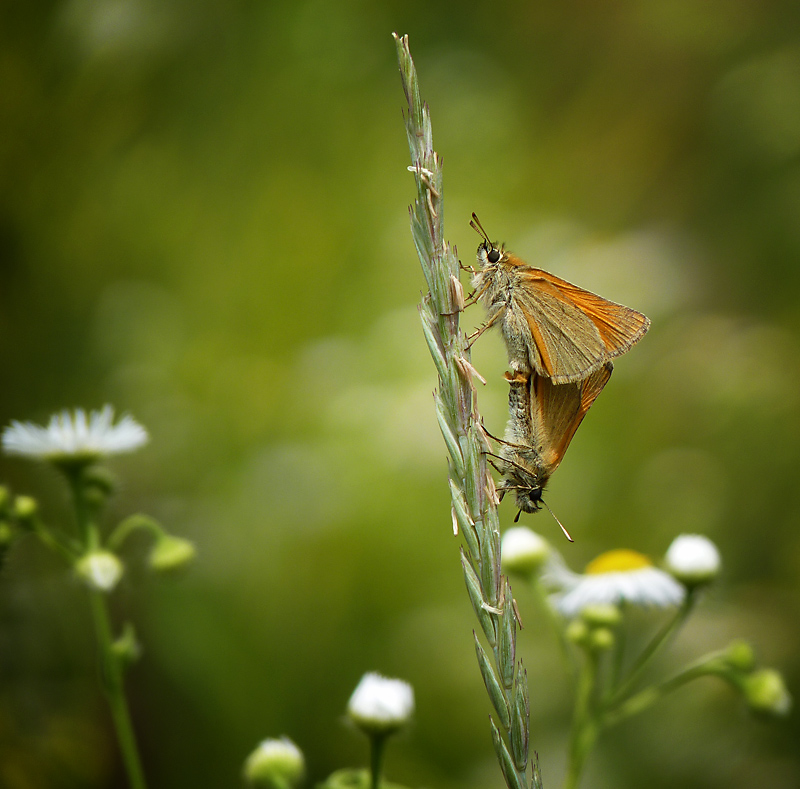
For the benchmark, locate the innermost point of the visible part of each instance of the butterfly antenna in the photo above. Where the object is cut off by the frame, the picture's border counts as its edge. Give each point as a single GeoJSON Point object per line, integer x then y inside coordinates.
{"type": "Point", "coordinates": [476, 225]}
{"type": "Point", "coordinates": [566, 533]}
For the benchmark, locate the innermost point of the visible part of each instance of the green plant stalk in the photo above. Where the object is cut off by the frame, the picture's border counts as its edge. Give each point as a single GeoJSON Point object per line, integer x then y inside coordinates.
{"type": "Point", "coordinates": [711, 665]}
{"type": "Point", "coordinates": [376, 748]}
{"type": "Point", "coordinates": [62, 545]}
{"type": "Point", "coordinates": [650, 651]}
{"type": "Point", "coordinates": [473, 495]}
{"type": "Point", "coordinates": [585, 728]}
{"type": "Point", "coordinates": [589, 721]}
{"type": "Point", "coordinates": [113, 685]}
{"type": "Point", "coordinates": [615, 672]}
{"type": "Point", "coordinates": [126, 527]}
{"type": "Point", "coordinates": [110, 666]}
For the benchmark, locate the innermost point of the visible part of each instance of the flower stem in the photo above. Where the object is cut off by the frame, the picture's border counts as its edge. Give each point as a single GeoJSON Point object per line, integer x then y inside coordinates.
{"type": "Point", "coordinates": [711, 665]}
{"type": "Point", "coordinates": [131, 524]}
{"type": "Point", "coordinates": [659, 640]}
{"type": "Point", "coordinates": [62, 545]}
{"type": "Point", "coordinates": [376, 743]}
{"type": "Point", "coordinates": [113, 686]}
{"type": "Point", "coordinates": [110, 666]}
{"type": "Point", "coordinates": [585, 726]}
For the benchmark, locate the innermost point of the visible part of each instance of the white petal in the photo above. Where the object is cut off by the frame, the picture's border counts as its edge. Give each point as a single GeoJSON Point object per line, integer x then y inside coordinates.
{"type": "Point", "coordinates": [67, 436]}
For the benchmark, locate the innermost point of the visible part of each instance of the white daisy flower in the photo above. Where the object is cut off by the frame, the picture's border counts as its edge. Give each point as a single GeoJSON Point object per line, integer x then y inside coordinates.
{"type": "Point", "coordinates": [75, 437]}
{"type": "Point", "coordinates": [381, 705]}
{"type": "Point", "coordinates": [693, 559]}
{"type": "Point", "coordinates": [274, 763]}
{"type": "Point", "coordinates": [614, 577]}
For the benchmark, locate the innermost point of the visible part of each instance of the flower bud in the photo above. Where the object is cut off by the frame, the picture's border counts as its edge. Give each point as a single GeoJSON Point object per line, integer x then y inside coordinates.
{"type": "Point", "coordinates": [601, 615]}
{"type": "Point", "coordinates": [101, 570]}
{"type": "Point", "coordinates": [693, 560]}
{"type": "Point", "coordinates": [6, 534]}
{"type": "Point", "coordinates": [766, 692]}
{"type": "Point", "coordinates": [577, 632]}
{"type": "Point", "coordinates": [274, 764]}
{"type": "Point", "coordinates": [101, 479]}
{"type": "Point", "coordinates": [127, 648]}
{"type": "Point", "coordinates": [25, 508]}
{"type": "Point", "coordinates": [170, 553]}
{"type": "Point", "coordinates": [523, 551]}
{"type": "Point", "coordinates": [380, 705]}
{"type": "Point", "coordinates": [601, 639]}
{"type": "Point", "coordinates": [739, 655]}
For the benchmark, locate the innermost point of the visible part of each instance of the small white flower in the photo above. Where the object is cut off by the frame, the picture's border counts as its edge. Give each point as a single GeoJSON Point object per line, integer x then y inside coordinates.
{"type": "Point", "coordinates": [614, 577]}
{"type": "Point", "coordinates": [381, 705]}
{"type": "Point", "coordinates": [693, 559]}
{"type": "Point", "coordinates": [100, 569]}
{"type": "Point", "coordinates": [75, 437]}
{"type": "Point", "coordinates": [523, 551]}
{"type": "Point", "coordinates": [274, 763]}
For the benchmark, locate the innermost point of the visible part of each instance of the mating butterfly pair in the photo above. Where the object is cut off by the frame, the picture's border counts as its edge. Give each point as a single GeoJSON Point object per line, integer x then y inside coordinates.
{"type": "Point", "coordinates": [560, 340]}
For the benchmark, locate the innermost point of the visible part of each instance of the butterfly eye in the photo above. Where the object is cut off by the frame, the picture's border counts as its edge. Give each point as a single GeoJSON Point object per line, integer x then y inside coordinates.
{"type": "Point", "coordinates": [494, 255]}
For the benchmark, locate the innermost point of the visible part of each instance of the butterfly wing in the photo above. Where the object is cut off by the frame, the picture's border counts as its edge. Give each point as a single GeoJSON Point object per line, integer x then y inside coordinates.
{"type": "Point", "coordinates": [619, 327]}
{"type": "Point", "coordinates": [558, 409]}
{"type": "Point", "coordinates": [573, 332]}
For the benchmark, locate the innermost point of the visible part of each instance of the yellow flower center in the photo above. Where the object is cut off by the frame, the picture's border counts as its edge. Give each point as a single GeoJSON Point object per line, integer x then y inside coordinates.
{"type": "Point", "coordinates": [620, 561]}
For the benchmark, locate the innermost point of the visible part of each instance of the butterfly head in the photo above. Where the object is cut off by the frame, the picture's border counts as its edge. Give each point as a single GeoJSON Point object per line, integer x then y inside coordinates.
{"type": "Point", "coordinates": [529, 499]}
{"type": "Point", "coordinates": [525, 477]}
{"type": "Point", "coordinates": [489, 253]}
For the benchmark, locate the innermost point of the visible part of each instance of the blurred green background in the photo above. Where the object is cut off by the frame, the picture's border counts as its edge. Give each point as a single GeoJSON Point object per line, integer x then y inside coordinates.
{"type": "Point", "coordinates": [203, 220]}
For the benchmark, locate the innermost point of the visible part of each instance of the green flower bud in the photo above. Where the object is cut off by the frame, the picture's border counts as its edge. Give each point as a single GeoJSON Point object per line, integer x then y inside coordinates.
{"type": "Point", "coordinates": [101, 570]}
{"type": "Point", "coordinates": [25, 508]}
{"type": "Point", "coordinates": [601, 639]}
{"type": "Point", "coordinates": [739, 656]}
{"type": "Point", "coordinates": [765, 692]}
{"type": "Point", "coordinates": [523, 551]}
{"type": "Point", "coordinates": [127, 648]}
{"type": "Point", "coordinates": [274, 764]}
{"type": "Point", "coordinates": [98, 484]}
{"type": "Point", "coordinates": [101, 479]}
{"type": "Point", "coordinates": [577, 632]}
{"type": "Point", "coordinates": [94, 497]}
{"type": "Point", "coordinates": [170, 553]}
{"type": "Point", "coordinates": [601, 615]}
{"type": "Point", "coordinates": [6, 534]}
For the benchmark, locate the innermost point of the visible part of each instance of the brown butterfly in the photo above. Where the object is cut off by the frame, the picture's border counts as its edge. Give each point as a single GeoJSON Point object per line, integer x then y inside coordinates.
{"type": "Point", "coordinates": [551, 327]}
{"type": "Point", "coordinates": [543, 418]}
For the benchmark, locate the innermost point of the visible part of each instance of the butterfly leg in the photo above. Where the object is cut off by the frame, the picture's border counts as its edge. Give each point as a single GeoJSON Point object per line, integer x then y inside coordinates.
{"type": "Point", "coordinates": [481, 329]}
{"type": "Point", "coordinates": [476, 294]}
{"type": "Point", "coordinates": [489, 456]}
{"type": "Point", "coordinates": [502, 440]}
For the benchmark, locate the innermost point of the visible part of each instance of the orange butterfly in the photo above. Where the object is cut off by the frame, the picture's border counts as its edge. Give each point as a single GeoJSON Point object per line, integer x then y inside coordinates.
{"type": "Point", "coordinates": [551, 327]}
{"type": "Point", "coordinates": [543, 419]}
